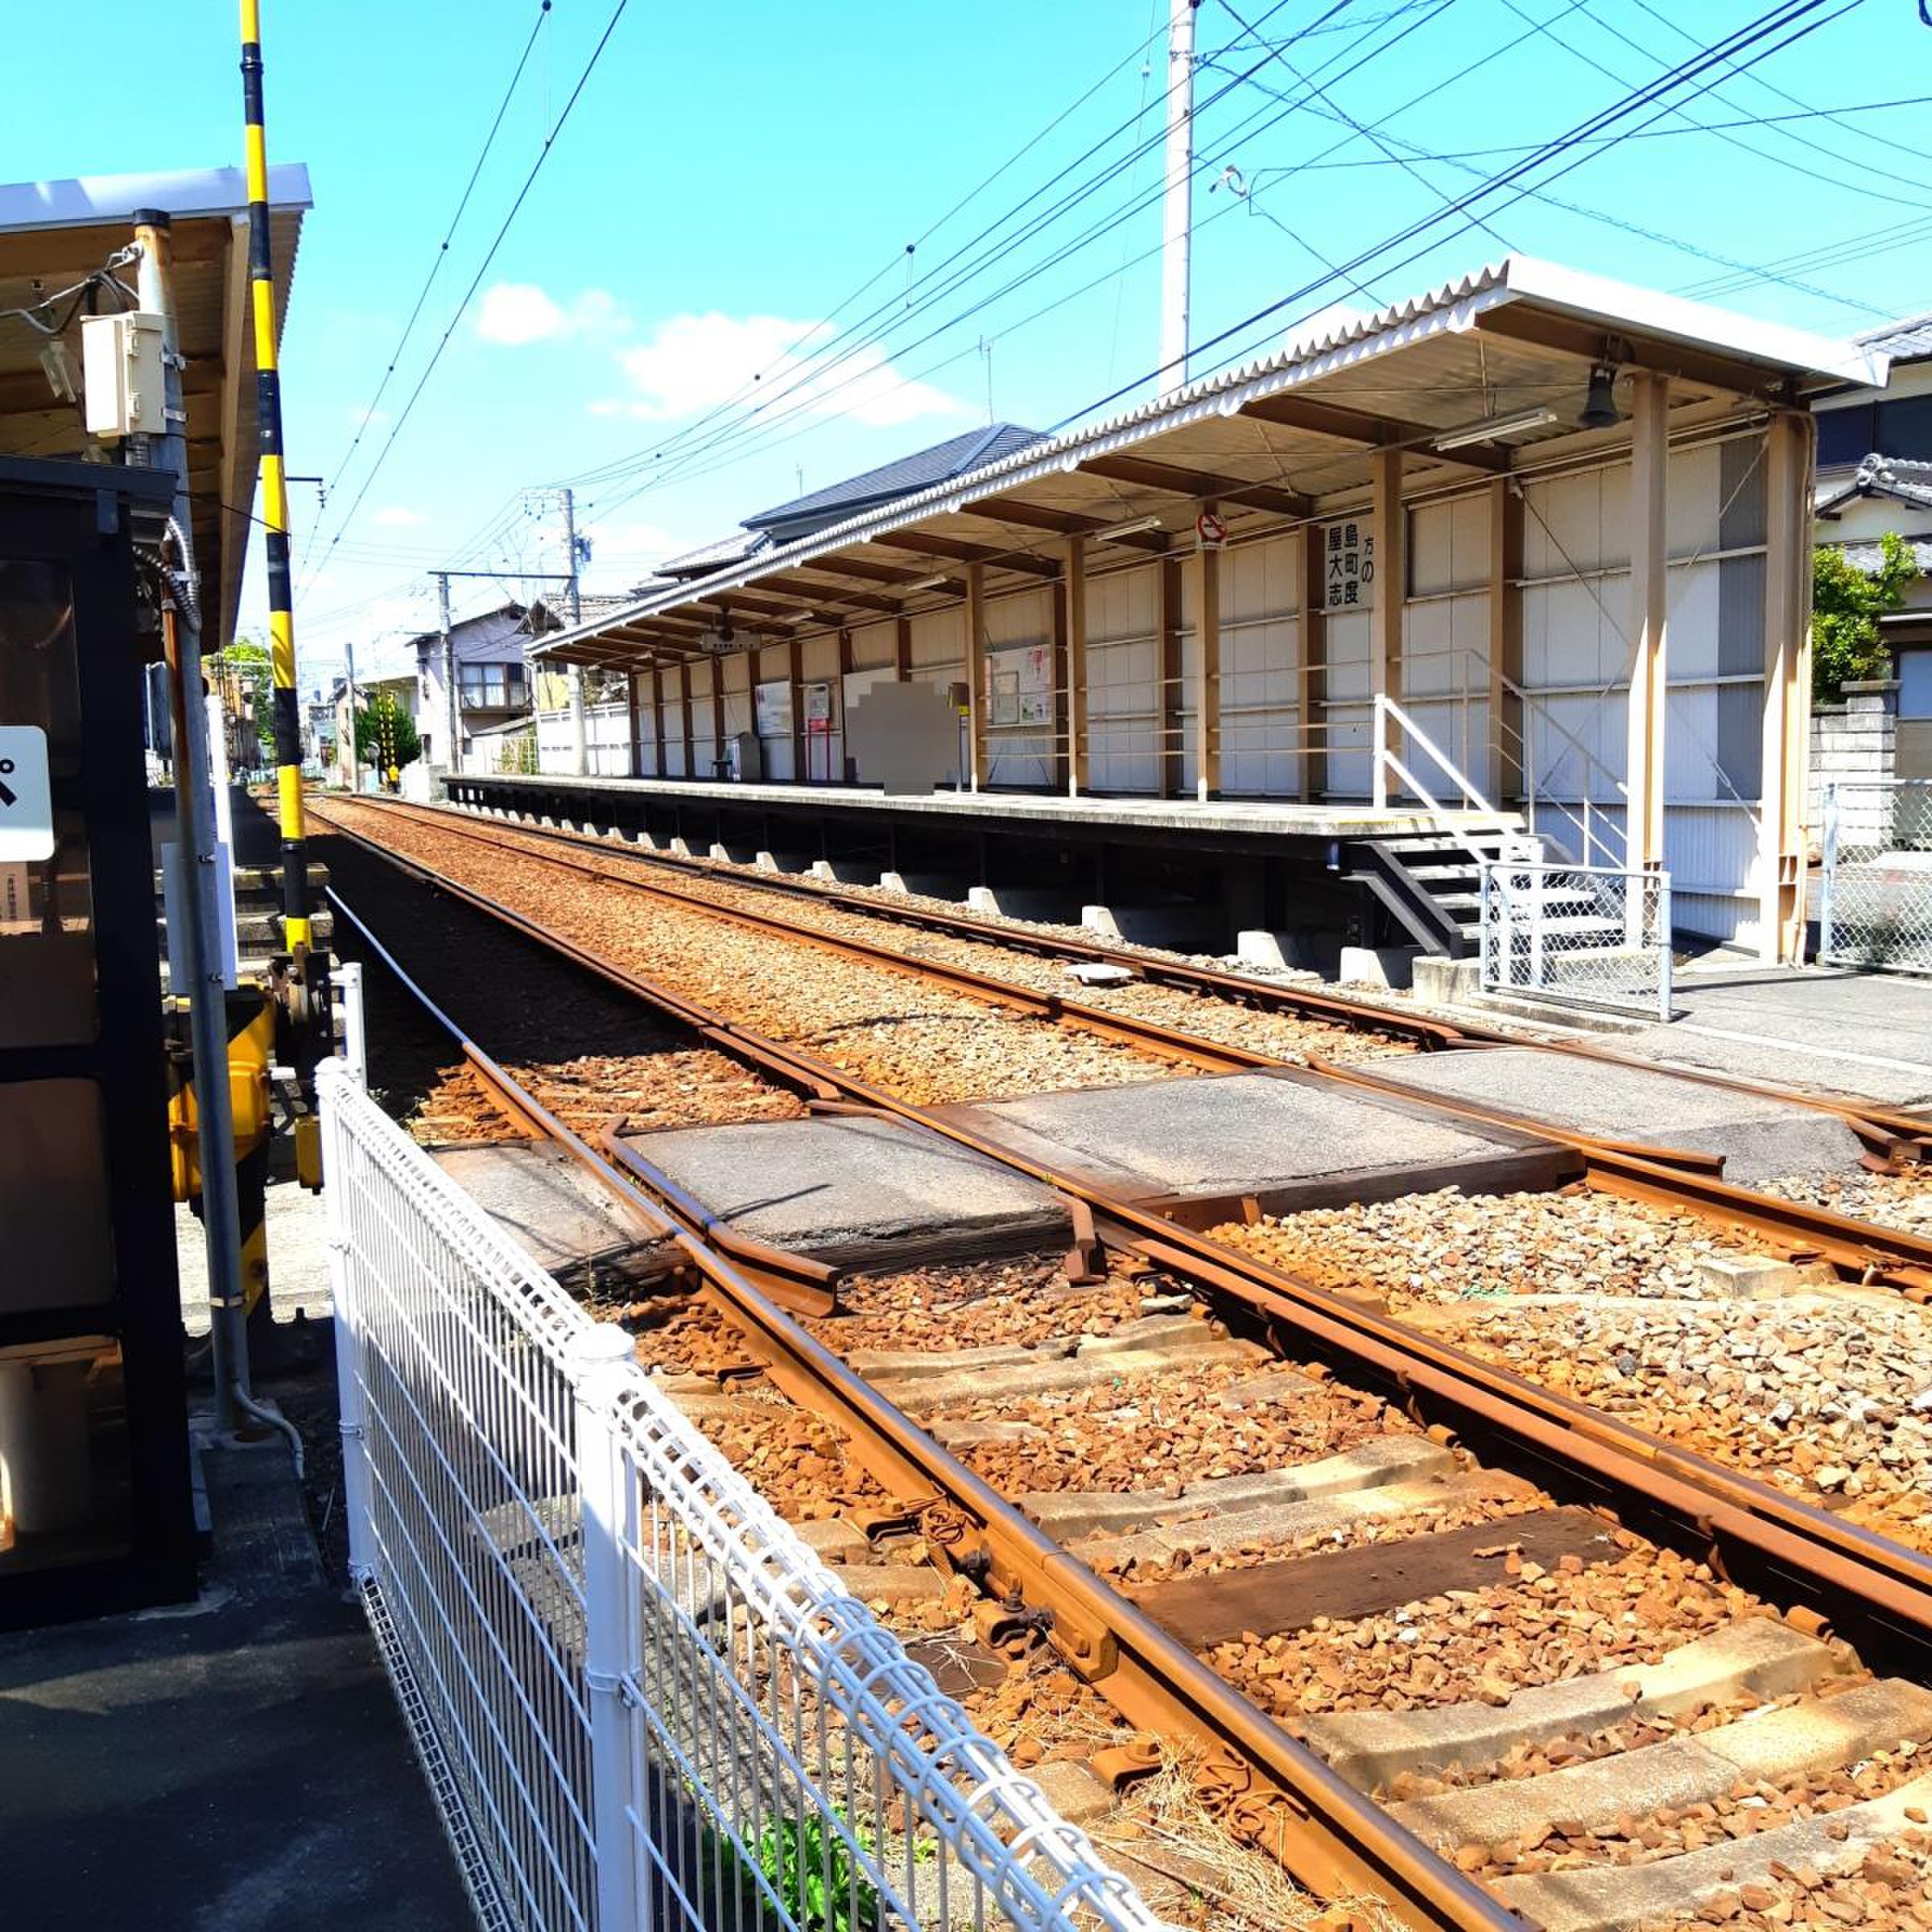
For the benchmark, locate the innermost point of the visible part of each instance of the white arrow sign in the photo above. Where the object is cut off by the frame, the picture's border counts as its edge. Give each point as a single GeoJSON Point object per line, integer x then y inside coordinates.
{"type": "Point", "coordinates": [26, 805]}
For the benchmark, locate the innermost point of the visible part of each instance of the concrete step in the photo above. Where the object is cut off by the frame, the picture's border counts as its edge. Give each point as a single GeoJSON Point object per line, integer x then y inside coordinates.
{"type": "Point", "coordinates": [1770, 1747]}
{"type": "Point", "coordinates": [1747, 1662]}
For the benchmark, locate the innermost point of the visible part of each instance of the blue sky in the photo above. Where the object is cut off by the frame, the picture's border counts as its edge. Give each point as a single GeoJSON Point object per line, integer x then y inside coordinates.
{"type": "Point", "coordinates": [731, 175]}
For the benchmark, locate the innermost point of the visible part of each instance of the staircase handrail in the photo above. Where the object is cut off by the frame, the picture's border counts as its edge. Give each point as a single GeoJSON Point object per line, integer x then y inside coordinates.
{"type": "Point", "coordinates": [1387, 762]}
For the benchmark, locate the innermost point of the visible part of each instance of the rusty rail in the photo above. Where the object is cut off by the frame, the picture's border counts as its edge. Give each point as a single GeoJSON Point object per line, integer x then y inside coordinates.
{"type": "Point", "coordinates": [1794, 1552]}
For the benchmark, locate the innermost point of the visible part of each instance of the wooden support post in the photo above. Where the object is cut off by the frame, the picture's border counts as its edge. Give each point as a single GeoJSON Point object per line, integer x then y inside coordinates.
{"type": "Point", "coordinates": [901, 649]}
{"type": "Point", "coordinates": [795, 679]}
{"type": "Point", "coordinates": [1169, 671]}
{"type": "Point", "coordinates": [1207, 672]}
{"type": "Point", "coordinates": [1072, 667]}
{"type": "Point", "coordinates": [1311, 705]}
{"type": "Point", "coordinates": [717, 713]}
{"type": "Point", "coordinates": [1385, 615]}
{"type": "Point", "coordinates": [1509, 750]}
{"type": "Point", "coordinates": [1645, 632]}
{"type": "Point", "coordinates": [974, 619]}
{"type": "Point", "coordinates": [843, 775]}
{"type": "Point", "coordinates": [657, 714]}
{"type": "Point", "coordinates": [1781, 858]}
{"type": "Point", "coordinates": [637, 747]}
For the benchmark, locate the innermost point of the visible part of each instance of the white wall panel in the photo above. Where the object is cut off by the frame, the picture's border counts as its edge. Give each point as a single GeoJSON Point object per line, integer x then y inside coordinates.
{"type": "Point", "coordinates": [1123, 656]}
{"type": "Point", "coordinates": [872, 645]}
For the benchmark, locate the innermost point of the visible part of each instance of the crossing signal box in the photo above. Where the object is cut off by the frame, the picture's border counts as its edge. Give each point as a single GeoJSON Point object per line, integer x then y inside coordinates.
{"type": "Point", "coordinates": [96, 1512]}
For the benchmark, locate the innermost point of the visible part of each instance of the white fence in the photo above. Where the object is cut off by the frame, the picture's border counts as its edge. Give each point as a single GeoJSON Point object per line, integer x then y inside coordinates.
{"type": "Point", "coordinates": [1590, 935]}
{"type": "Point", "coordinates": [1875, 903]}
{"type": "Point", "coordinates": [641, 1700]}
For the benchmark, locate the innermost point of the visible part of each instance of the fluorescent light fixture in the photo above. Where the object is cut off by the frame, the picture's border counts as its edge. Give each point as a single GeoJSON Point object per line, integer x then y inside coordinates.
{"type": "Point", "coordinates": [1114, 531]}
{"type": "Point", "coordinates": [1491, 427]}
{"type": "Point", "coordinates": [935, 583]}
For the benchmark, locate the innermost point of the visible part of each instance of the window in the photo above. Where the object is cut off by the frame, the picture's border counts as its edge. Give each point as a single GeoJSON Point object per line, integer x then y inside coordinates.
{"type": "Point", "coordinates": [1845, 436]}
{"type": "Point", "coordinates": [492, 687]}
{"type": "Point", "coordinates": [1900, 426]}
{"type": "Point", "coordinates": [1915, 683]}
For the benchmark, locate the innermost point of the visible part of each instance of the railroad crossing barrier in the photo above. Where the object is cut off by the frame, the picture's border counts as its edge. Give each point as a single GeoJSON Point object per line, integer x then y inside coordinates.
{"type": "Point", "coordinates": [1587, 936]}
{"type": "Point", "coordinates": [639, 1699]}
{"type": "Point", "coordinates": [1875, 903]}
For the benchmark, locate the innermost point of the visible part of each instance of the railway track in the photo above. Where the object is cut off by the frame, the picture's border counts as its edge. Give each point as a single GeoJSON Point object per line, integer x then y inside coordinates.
{"type": "Point", "coordinates": [1224, 1554]}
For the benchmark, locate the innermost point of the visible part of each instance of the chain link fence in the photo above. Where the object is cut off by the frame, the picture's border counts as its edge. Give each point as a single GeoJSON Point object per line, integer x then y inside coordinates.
{"type": "Point", "coordinates": [1586, 935]}
{"type": "Point", "coordinates": [640, 1699]}
{"type": "Point", "coordinates": [1874, 900]}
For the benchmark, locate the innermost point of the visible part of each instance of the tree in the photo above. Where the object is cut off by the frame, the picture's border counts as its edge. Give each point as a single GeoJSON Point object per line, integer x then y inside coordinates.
{"type": "Point", "coordinates": [1846, 604]}
{"type": "Point", "coordinates": [249, 661]}
{"type": "Point", "coordinates": [386, 735]}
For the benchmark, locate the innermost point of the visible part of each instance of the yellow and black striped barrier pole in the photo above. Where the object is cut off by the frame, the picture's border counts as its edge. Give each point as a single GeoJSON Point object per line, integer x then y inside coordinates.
{"type": "Point", "coordinates": [310, 967]}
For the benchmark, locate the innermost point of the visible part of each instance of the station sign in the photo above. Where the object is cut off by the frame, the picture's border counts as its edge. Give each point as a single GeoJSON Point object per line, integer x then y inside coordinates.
{"type": "Point", "coordinates": [27, 802]}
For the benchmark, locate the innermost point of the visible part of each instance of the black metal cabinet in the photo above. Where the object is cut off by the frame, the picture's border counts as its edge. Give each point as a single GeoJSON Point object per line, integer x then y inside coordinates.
{"type": "Point", "coordinates": [96, 1511]}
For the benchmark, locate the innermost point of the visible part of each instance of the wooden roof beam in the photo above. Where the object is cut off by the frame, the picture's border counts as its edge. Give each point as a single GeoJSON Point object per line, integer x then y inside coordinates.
{"type": "Point", "coordinates": [859, 600]}
{"type": "Point", "coordinates": [867, 572]}
{"type": "Point", "coordinates": [953, 550]}
{"type": "Point", "coordinates": [1589, 344]}
{"type": "Point", "coordinates": [1200, 484]}
{"type": "Point", "coordinates": [1062, 523]}
{"type": "Point", "coordinates": [1318, 419]}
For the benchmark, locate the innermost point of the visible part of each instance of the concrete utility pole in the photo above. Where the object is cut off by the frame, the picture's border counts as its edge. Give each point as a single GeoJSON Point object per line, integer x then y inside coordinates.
{"type": "Point", "coordinates": [197, 862]}
{"type": "Point", "coordinates": [355, 764]}
{"type": "Point", "coordinates": [452, 749]}
{"type": "Point", "coordinates": [579, 724]}
{"type": "Point", "coordinates": [1177, 240]}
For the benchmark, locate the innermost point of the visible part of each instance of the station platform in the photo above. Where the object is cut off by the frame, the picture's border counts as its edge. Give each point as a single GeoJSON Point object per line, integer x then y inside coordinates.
{"type": "Point", "coordinates": [1865, 1034]}
{"type": "Point", "coordinates": [1189, 874]}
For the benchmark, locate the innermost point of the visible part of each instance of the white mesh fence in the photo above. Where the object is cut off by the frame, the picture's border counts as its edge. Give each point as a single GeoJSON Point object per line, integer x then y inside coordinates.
{"type": "Point", "coordinates": [1875, 900]}
{"type": "Point", "coordinates": [1590, 935]}
{"type": "Point", "coordinates": [641, 1699]}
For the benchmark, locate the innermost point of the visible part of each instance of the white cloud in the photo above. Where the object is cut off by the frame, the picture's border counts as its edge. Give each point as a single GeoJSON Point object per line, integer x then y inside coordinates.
{"type": "Point", "coordinates": [359, 413]}
{"type": "Point", "coordinates": [695, 362]}
{"type": "Point", "coordinates": [398, 516]}
{"type": "Point", "coordinates": [515, 313]}
{"type": "Point", "coordinates": [626, 550]}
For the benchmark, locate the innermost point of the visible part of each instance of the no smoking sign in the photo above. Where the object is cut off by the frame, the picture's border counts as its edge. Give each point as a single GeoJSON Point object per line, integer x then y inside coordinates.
{"type": "Point", "coordinates": [27, 806]}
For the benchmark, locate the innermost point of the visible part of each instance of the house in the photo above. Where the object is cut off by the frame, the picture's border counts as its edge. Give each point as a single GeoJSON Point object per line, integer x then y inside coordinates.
{"type": "Point", "coordinates": [493, 683]}
{"type": "Point", "coordinates": [1875, 475]}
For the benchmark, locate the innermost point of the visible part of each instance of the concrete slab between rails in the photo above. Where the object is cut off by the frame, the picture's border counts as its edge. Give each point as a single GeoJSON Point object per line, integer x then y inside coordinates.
{"type": "Point", "coordinates": [1749, 1661]}
{"type": "Point", "coordinates": [1760, 1139]}
{"type": "Point", "coordinates": [1290, 1139]}
{"type": "Point", "coordinates": [1067, 1514]}
{"type": "Point", "coordinates": [537, 1195]}
{"type": "Point", "coordinates": [1285, 1524]}
{"type": "Point", "coordinates": [1673, 1890]}
{"type": "Point", "coordinates": [1153, 1345]}
{"type": "Point", "coordinates": [858, 1192]}
{"type": "Point", "coordinates": [1773, 1747]}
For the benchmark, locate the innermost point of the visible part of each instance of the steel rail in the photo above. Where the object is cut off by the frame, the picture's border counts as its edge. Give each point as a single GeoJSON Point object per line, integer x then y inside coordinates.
{"type": "Point", "coordinates": [1880, 1127]}
{"type": "Point", "coordinates": [1330, 1836]}
{"type": "Point", "coordinates": [1870, 1254]}
{"type": "Point", "coordinates": [1794, 1552]}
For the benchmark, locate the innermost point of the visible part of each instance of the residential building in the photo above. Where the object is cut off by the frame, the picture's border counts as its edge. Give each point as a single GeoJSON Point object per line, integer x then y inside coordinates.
{"type": "Point", "coordinates": [401, 689]}
{"type": "Point", "coordinates": [492, 681]}
{"type": "Point", "coordinates": [1875, 476]}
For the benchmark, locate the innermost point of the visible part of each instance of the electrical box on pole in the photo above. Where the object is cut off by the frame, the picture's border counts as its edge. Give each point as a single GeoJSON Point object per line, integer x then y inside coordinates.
{"type": "Point", "coordinates": [124, 375]}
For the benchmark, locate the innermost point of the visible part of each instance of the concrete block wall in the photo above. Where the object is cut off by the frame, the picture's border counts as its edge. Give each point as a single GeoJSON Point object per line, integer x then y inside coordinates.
{"type": "Point", "coordinates": [1855, 741]}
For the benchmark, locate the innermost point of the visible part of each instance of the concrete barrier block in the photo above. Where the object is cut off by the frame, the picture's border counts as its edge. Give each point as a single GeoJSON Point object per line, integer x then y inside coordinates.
{"type": "Point", "coordinates": [1378, 965]}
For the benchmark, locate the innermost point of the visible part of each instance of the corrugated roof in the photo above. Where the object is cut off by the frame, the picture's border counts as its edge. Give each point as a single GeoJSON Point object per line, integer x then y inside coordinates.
{"type": "Point", "coordinates": [1907, 340]}
{"type": "Point", "coordinates": [1451, 308]}
{"type": "Point", "coordinates": [921, 469]}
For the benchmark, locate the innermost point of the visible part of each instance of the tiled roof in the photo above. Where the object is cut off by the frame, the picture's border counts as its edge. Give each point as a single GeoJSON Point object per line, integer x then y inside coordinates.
{"type": "Point", "coordinates": [919, 471]}
{"type": "Point", "coordinates": [733, 549]}
{"type": "Point", "coordinates": [1878, 476]}
{"type": "Point", "coordinates": [1907, 340]}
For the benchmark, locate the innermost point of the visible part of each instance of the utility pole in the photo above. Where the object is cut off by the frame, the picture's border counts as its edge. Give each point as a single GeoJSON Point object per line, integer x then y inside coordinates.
{"type": "Point", "coordinates": [196, 862]}
{"type": "Point", "coordinates": [355, 764]}
{"type": "Point", "coordinates": [579, 724]}
{"type": "Point", "coordinates": [1177, 240]}
{"type": "Point", "coordinates": [453, 744]}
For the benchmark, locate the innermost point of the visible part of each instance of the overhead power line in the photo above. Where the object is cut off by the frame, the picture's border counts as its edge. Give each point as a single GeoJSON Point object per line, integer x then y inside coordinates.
{"type": "Point", "coordinates": [435, 268]}
{"type": "Point", "coordinates": [529, 181]}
